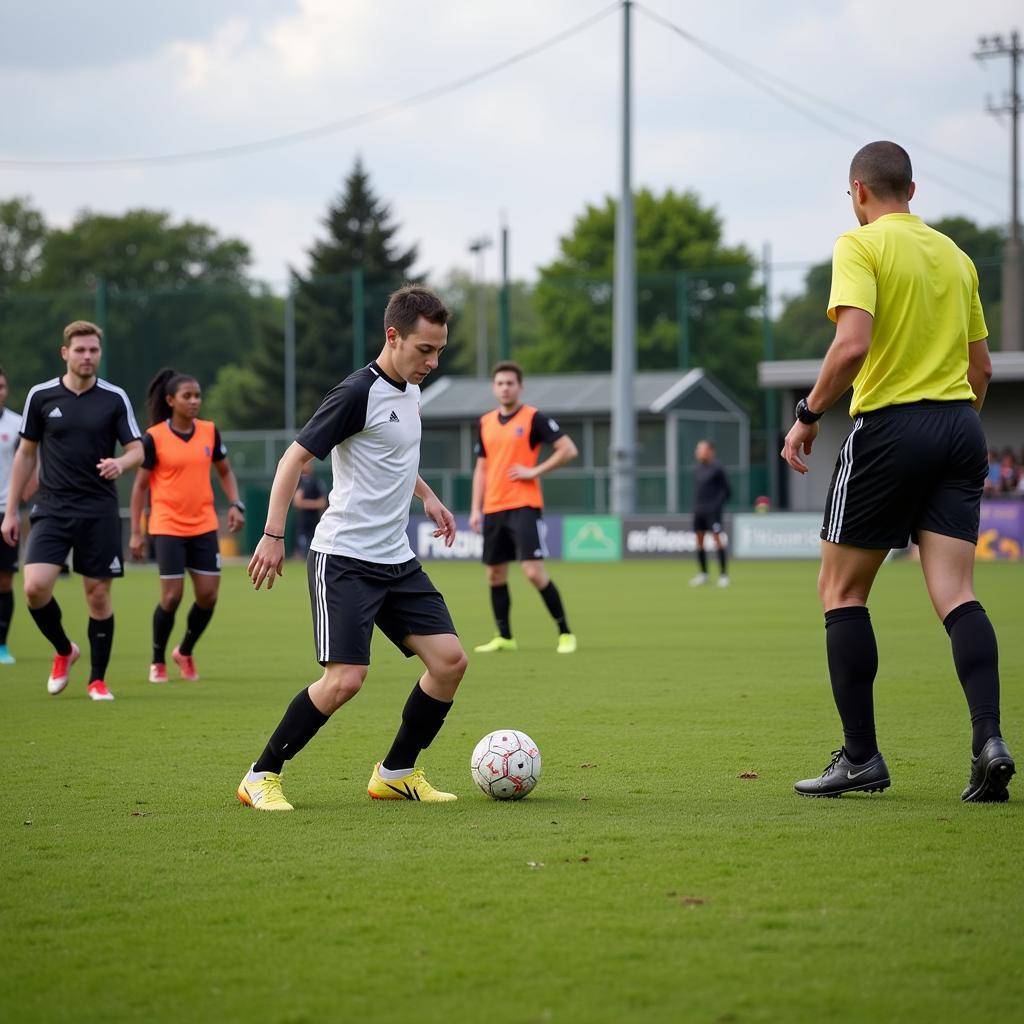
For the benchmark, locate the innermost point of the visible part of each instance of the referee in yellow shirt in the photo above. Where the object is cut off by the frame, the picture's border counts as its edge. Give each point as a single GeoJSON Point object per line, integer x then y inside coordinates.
{"type": "Point", "coordinates": [911, 340]}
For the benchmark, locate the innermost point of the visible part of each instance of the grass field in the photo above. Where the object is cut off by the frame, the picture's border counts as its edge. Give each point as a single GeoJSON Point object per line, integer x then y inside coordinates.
{"type": "Point", "coordinates": [643, 880]}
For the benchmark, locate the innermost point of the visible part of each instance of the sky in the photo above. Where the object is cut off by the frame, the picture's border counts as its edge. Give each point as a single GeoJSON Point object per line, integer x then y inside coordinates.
{"type": "Point", "coordinates": [534, 142]}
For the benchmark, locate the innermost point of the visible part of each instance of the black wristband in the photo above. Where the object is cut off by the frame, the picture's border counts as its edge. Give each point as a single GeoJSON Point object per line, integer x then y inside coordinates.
{"type": "Point", "coordinates": [273, 536]}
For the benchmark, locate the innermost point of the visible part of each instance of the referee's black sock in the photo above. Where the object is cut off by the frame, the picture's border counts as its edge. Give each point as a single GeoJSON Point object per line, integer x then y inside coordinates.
{"type": "Point", "coordinates": [553, 601]}
{"type": "Point", "coordinates": [48, 620]}
{"type": "Point", "coordinates": [301, 722]}
{"type": "Point", "coordinates": [721, 561]}
{"type": "Point", "coordinates": [6, 611]}
{"type": "Point", "coordinates": [422, 718]}
{"type": "Point", "coordinates": [198, 620]}
{"type": "Point", "coordinates": [976, 656]}
{"type": "Point", "coordinates": [163, 623]}
{"type": "Point", "coordinates": [702, 559]}
{"type": "Point", "coordinates": [101, 643]}
{"type": "Point", "coordinates": [852, 664]}
{"type": "Point", "coordinates": [501, 603]}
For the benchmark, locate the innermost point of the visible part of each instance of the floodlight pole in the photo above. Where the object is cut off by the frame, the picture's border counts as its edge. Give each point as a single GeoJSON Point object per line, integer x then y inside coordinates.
{"type": "Point", "coordinates": [477, 247]}
{"type": "Point", "coordinates": [289, 359]}
{"type": "Point", "coordinates": [623, 449]}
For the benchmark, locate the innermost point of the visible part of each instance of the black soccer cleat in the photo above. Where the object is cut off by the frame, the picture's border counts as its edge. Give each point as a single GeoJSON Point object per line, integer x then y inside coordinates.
{"type": "Point", "coordinates": [843, 776]}
{"type": "Point", "coordinates": [991, 772]}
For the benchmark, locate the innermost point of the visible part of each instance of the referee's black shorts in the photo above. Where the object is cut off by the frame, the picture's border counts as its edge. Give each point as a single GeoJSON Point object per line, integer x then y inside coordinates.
{"type": "Point", "coordinates": [907, 468]}
{"type": "Point", "coordinates": [514, 535]}
{"type": "Point", "coordinates": [8, 557]}
{"type": "Point", "coordinates": [349, 596]}
{"type": "Point", "coordinates": [96, 542]}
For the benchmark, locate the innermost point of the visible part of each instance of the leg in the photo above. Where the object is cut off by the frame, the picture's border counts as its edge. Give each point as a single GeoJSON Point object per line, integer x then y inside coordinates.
{"type": "Point", "coordinates": [171, 591]}
{"type": "Point", "coordinates": [101, 626]}
{"type": "Point", "coordinates": [720, 548]}
{"type": "Point", "coordinates": [40, 578]}
{"type": "Point", "coordinates": [6, 612]}
{"type": "Point", "coordinates": [501, 602]}
{"type": "Point", "coordinates": [205, 588]}
{"type": "Point", "coordinates": [844, 583]}
{"type": "Point", "coordinates": [537, 574]}
{"type": "Point", "coordinates": [702, 560]}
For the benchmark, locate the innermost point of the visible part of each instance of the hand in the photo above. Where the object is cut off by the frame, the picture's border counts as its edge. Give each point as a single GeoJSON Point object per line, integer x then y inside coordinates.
{"type": "Point", "coordinates": [236, 520]}
{"type": "Point", "coordinates": [476, 521]}
{"type": "Point", "coordinates": [11, 530]}
{"type": "Point", "coordinates": [443, 519]}
{"type": "Point", "coordinates": [137, 546]}
{"type": "Point", "coordinates": [110, 469]}
{"type": "Point", "coordinates": [518, 472]}
{"type": "Point", "coordinates": [800, 438]}
{"type": "Point", "coordinates": [267, 562]}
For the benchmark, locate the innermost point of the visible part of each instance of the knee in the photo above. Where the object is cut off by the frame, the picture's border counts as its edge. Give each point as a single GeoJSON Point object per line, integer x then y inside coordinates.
{"type": "Point", "coordinates": [497, 575]}
{"type": "Point", "coordinates": [450, 667]}
{"type": "Point", "coordinates": [37, 594]}
{"type": "Point", "coordinates": [170, 602]}
{"type": "Point", "coordinates": [535, 573]}
{"type": "Point", "coordinates": [206, 601]}
{"type": "Point", "coordinates": [341, 687]}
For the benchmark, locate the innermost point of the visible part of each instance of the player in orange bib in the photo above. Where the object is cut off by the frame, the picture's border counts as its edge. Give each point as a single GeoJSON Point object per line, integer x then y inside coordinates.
{"type": "Point", "coordinates": [507, 501]}
{"type": "Point", "coordinates": [179, 450]}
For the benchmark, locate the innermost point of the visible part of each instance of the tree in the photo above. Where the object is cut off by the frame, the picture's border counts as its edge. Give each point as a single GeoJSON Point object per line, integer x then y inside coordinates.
{"type": "Point", "coordinates": [22, 235]}
{"type": "Point", "coordinates": [694, 294]}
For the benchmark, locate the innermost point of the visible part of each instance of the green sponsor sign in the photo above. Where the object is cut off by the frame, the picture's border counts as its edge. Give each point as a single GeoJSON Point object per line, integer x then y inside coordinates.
{"type": "Point", "coordinates": [591, 538]}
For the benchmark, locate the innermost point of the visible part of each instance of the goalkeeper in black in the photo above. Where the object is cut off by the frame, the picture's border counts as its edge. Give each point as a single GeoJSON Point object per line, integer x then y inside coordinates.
{"type": "Point", "coordinates": [711, 492]}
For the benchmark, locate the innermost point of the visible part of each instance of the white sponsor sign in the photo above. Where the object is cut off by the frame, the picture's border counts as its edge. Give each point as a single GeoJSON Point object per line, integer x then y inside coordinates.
{"type": "Point", "coordinates": [468, 546]}
{"type": "Point", "coordinates": [777, 535]}
{"type": "Point", "coordinates": [658, 539]}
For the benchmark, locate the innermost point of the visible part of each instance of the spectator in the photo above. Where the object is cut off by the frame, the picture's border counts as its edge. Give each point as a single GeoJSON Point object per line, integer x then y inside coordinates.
{"type": "Point", "coordinates": [1008, 475]}
{"type": "Point", "coordinates": [992, 477]}
{"type": "Point", "coordinates": [310, 501]}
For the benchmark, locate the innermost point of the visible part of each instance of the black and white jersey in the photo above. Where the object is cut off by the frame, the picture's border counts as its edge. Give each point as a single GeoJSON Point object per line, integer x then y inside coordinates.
{"type": "Point", "coordinates": [10, 425]}
{"type": "Point", "coordinates": [711, 487]}
{"type": "Point", "coordinates": [74, 432]}
{"type": "Point", "coordinates": [370, 424]}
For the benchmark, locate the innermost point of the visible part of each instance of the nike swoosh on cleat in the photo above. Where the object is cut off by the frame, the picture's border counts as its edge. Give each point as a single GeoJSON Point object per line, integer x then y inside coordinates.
{"type": "Point", "coordinates": [857, 775]}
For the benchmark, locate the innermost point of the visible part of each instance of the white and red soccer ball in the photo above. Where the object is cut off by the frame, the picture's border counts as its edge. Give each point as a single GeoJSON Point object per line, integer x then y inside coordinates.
{"type": "Point", "coordinates": [506, 764]}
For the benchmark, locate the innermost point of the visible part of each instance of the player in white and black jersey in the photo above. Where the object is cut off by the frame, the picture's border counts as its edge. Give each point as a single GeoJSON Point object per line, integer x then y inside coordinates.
{"type": "Point", "coordinates": [10, 424]}
{"type": "Point", "coordinates": [71, 427]}
{"type": "Point", "coordinates": [361, 568]}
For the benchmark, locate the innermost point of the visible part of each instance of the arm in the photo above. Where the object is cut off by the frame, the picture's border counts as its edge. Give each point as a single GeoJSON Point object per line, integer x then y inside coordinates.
{"type": "Point", "coordinates": [979, 370]}
{"type": "Point", "coordinates": [22, 471]}
{"type": "Point", "coordinates": [268, 558]}
{"type": "Point", "coordinates": [842, 363]}
{"type": "Point", "coordinates": [563, 451]}
{"type": "Point", "coordinates": [229, 485]}
{"type": "Point", "coordinates": [476, 508]}
{"type": "Point", "coordinates": [140, 492]}
{"type": "Point", "coordinates": [432, 508]}
{"type": "Point", "coordinates": [111, 469]}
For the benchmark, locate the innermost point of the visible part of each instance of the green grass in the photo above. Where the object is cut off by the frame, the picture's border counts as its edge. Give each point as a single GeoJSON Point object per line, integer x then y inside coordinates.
{"type": "Point", "coordinates": [134, 887]}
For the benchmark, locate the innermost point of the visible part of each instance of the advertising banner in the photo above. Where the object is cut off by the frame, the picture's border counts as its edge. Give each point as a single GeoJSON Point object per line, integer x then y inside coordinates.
{"type": "Point", "coordinates": [591, 538]}
{"type": "Point", "coordinates": [777, 535]}
{"type": "Point", "coordinates": [1001, 536]}
{"type": "Point", "coordinates": [468, 546]}
{"type": "Point", "coordinates": [665, 536]}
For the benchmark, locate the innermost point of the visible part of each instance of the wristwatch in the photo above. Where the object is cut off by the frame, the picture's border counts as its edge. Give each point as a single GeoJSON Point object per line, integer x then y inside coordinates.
{"type": "Point", "coordinates": [804, 413]}
{"type": "Point", "coordinates": [240, 505]}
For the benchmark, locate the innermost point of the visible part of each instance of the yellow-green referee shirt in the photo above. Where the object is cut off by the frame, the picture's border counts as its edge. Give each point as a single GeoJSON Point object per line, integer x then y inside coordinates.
{"type": "Point", "coordinates": [923, 294]}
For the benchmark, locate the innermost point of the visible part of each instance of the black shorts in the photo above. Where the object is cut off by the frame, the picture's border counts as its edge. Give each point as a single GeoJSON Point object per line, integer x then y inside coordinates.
{"type": "Point", "coordinates": [199, 554]}
{"type": "Point", "coordinates": [907, 468]}
{"type": "Point", "coordinates": [96, 543]}
{"type": "Point", "coordinates": [514, 535]}
{"type": "Point", "coordinates": [349, 596]}
{"type": "Point", "coordinates": [707, 520]}
{"type": "Point", "coordinates": [8, 557]}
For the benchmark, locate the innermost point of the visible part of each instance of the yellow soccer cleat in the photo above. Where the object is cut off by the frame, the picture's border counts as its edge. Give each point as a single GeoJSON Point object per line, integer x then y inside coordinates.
{"type": "Point", "coordinates": [263, 794]}
{"type": "Point", "coordinates": [566, 644]}
{"type": "Point", "coordinates": [499, 643]}
{"type": "Point", "coordinates": [409, 787]}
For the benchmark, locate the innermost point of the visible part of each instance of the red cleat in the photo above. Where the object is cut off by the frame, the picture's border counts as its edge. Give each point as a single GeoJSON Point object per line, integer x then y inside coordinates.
{"type": "Point", "coordinates": [158, 672]}
{"type": "Point", "coordinates": [98, 690]}
{"type": "Point", "coordinates": [186, 666]}
{"type": "Point", "coordinates": [61, 665]}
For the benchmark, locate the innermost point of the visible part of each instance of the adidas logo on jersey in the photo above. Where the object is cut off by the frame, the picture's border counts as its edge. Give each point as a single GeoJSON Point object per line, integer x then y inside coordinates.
{"type": "Point", "coordinates": [55, 413]}
{"type": "Point", "coordinates": [393, 418]}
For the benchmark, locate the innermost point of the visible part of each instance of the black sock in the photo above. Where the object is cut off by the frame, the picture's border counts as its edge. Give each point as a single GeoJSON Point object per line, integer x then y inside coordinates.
{"type": "Point", "coordinates": [852, 664]}
{"type": "Point", "coordinates": [163, 623]}
{"type": "Point", "coordinates": [301, 722]}
{"type": "Point", "coordinates": [101, 642]}
{"type": "Point", "coordinates": [6, 611]}
{"type": "Point", "coordinates": [721, 560]}
{"type": "Point", "coordinates": [702, 558]}
{"type": "Point", "coordinates": [501, 603]}
{"type": "Point", "coordinates": [976, 656]}
{"type": "Point", "coordinates": [422, 718]}
{"type": "Point", "coordinates": [48, 620]}
{"type": "Point", "coordinates": [553, 601]}
{"type": "Point", "coordinates": [198, 620]}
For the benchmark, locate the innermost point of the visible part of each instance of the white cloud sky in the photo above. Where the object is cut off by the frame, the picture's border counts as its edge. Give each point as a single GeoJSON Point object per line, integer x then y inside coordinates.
{"type": "Point", "coordinates": [538, 140]}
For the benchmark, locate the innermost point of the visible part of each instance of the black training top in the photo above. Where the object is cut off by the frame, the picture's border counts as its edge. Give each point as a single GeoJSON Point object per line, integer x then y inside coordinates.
{"type": "Point", "coordinates": [74, 432]}
{"type": "Point", "coordinates": [711, 487]}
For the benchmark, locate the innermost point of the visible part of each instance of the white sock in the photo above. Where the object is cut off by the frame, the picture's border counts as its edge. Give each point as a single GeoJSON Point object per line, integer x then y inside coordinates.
{"type": "Point", "coordinates": [255, 776]}
{"type": "Point", "coordinates": [390, 774]}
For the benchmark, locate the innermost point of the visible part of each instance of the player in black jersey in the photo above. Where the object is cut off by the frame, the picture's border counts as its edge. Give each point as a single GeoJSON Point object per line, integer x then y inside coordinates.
{"type": "Point", "coordinates": [74, 423]}
{"type": "Point", "coordinates": [711, 492]}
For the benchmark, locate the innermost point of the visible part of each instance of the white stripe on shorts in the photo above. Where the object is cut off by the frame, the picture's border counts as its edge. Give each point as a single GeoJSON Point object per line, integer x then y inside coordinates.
{"type": "Point", "coordinates": [322, 631]}
{"type": "Point", "coordinates": [835, 524]}
{"type": "Point", "coordinates": [542, 536]}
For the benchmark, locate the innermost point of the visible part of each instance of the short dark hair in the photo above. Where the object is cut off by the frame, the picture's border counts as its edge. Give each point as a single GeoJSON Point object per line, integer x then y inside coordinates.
{"type": "Point", "coordinates": [411, 302]}
{"type": "Point", "coordinates": [885, 168]}
{"type": "Point", "coordinates": [507, 366]}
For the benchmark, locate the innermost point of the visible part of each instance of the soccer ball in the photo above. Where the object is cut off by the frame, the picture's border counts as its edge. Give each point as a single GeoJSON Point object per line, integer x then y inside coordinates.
{"type": "Point", "coordinates": [506, 764]}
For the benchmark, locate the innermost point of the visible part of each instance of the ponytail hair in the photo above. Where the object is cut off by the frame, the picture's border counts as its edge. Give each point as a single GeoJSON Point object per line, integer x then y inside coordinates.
{"type": "Point", "coordinates": [163, 386]}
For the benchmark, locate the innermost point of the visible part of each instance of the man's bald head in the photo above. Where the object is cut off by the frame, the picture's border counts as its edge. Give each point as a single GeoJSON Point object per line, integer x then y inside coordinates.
{"type": "Point", "coordinates": [884, 167]}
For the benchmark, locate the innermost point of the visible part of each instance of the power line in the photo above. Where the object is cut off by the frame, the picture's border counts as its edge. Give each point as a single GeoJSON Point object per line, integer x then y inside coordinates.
{"type": "Point", "coordinates": [759, 77]}
{"type": "Point", "coordinates": [304, 135]}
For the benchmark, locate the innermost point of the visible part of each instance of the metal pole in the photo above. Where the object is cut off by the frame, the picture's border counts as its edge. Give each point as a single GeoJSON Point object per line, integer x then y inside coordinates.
{"type": "Point", "coordinates": [101, 320]}
{"type": "Point", "coordinates": [683, 318]}
{"type": "Point", "coordinates": [504, 324]}
{"type": "Point", "coordinates": [358, 319]}
{"type": "Point", "coordinates": [481, 317]}
{"type": "Point", "coordinates": [622, 457]}
{"type": "Point", "coordinates": [771, 429]}
{"type": "Point", "coordinates": [289, 360]}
